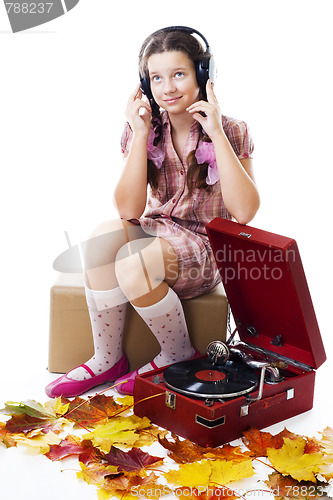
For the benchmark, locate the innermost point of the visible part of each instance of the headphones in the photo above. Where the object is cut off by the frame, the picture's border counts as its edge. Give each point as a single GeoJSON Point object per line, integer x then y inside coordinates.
{"type": "Point", "coordinates": [204, 68]}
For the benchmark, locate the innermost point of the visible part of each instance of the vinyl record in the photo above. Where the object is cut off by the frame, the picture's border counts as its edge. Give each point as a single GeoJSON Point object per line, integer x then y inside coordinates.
{"type": "Point", "coordinates": [198, 378]}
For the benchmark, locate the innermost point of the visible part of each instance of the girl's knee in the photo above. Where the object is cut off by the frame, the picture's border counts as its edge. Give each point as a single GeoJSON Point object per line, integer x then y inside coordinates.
{"type": "Point", "coordinates": [139, 267]}
{"type": "Point", "coordinates": [102, 245]}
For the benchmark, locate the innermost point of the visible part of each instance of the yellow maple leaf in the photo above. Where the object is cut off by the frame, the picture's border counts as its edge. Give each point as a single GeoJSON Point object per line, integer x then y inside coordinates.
{"type": "Point", "coordinates": [224, 472]}
{"type": "Point", "coordinates": [327, 440]}
{"type": "Point", "coordinates": [326, 443]}
{"type": "Point", "coordinates": [39, 443]}
{"type": "Point", "coordinates": [126, 400]}
{"type": "Point", "coordinates": [103, 495]}
{"type": "Point", "coordinates": [95, 474]}
{"type": "Point", "coordinates": [291, 460]}
{"type": "Point", "coordinates": [118, 431]}
{"type": "Point", "coordinates": [149, 436]}
{"type": "Point", "coordinates": [195, 474]}
{"type": "Point", "coordinates": [205, 472]}
{"type": "Point", "coordinates": [56, 406]}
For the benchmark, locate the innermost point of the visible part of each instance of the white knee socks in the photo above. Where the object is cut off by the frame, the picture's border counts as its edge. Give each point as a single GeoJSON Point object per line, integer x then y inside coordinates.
{"type": "Point", "coordinates": [167, 322]}
{"type": "Point", "coordinates": [107, 314]}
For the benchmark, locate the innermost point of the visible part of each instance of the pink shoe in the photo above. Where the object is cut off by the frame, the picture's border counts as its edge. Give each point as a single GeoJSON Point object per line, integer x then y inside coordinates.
{"type": "Point", "coordinates": [128, 380]}
{"type": "Point", "coordinates": [64, 386]}
{"type": "Point", "coordinates": [128, 383]}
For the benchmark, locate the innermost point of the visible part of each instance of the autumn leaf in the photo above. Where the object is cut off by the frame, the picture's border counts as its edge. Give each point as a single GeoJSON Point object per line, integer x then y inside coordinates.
{"type": "Point", "coordinates": [326, 442]}
{"type": "Point", "coordinates": [29, 407]}
{"type": "Point", "coordinates": [72, 445]}
{"type": "Point", "coordinates": [96, 475]}
{"type": "Point", "coordinates": [133, 460]}
{"type": "Point", "coordinates": [26, 423]}
{"type": "Point", "coordinates": [106, 404]}
{"type": "Point", "coordinates": [149, 435]}
{"type": "Point", "coordinates": [111, 483]}
{"type": "Point", "coordinates": [201, 474]}
{"type": "Point", "coordinates": [130, 461]}
{"type": "Point", "coordinates": [291, 460]}
{"type": "Point", "coordinates": [119, 430]}
{"type": "Point", "coordinates": [228, 452]}
{"type": "Point", "coordinates": [5, 436]}
{"type": "Point", "coordinates": [195, 474]}
{"type": "Point", "coordinates": [312, 446]}
{"type": "Point", "coordinates": [39, 443]}
{"type": "Point", "coordinates": [126, 401]}
{"type": "Point", "coordinates": [258, 441]}
{"type": "Point", "coordinates": [225, 472]}
{"type": "Point", "coordinates": [56, 406]}
{"type": "Point", "coordinates": [125, 486]}
{"type": "Point", "coordinates": [182, 451]}
{"type": "Point", "coordinates": [29, 415]}
{"type": "Point", "coordinates": [91, 412]}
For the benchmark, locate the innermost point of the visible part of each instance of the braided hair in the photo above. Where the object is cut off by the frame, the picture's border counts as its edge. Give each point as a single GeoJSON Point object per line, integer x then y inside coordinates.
{"type": "Point", "coordinates": [157, 43]}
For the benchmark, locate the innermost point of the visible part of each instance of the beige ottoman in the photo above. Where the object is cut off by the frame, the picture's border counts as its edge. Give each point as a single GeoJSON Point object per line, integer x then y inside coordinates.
{"type": "Point", "coordinates": [71, 343]}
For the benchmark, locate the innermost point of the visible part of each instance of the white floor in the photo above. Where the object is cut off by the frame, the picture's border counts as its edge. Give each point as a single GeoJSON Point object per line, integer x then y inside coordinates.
{"type": "Point", "coordinates": [24, 476]}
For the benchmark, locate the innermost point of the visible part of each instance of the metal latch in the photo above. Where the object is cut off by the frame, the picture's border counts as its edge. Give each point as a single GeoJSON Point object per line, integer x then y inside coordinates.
{"type": "Point", "coordinates": [170, 400]}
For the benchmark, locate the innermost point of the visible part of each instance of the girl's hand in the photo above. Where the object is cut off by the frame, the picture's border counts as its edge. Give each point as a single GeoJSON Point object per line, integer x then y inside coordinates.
{"type": "Point", "coordinates": [138, 112]}
{"type": "Point", "coordinates": [211, 121]}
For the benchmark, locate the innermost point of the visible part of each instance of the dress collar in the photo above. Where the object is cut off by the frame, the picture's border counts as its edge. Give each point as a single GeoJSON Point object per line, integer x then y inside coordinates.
{"type": "Point", "coordinates": [166, 122]}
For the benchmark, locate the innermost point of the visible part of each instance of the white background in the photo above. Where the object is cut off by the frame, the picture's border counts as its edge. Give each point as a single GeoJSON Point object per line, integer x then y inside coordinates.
{"type": "Point", "coordinates": [63, 92]}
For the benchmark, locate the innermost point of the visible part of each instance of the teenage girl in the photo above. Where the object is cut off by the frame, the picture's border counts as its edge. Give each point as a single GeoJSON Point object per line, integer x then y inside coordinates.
{"type": "Point", "coordinates": [185, 164]}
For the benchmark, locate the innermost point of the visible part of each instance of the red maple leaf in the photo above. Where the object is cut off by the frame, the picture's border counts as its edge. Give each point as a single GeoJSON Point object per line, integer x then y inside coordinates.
{"type": "Point", "coordinates": [131, 461]}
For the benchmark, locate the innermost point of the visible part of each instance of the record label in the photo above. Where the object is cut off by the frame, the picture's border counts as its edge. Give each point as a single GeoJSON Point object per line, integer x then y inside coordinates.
{"type": "Point", "coordinates": [210, 375]}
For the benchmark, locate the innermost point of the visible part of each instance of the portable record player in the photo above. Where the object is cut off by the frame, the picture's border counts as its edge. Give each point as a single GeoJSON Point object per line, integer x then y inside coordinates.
{"type": "Point", "coordinates": [264, 377]}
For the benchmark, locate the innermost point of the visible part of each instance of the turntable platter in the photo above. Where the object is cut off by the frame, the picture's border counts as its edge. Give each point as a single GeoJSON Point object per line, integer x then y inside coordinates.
{"type": "Point", "coordinates": [198, 378]}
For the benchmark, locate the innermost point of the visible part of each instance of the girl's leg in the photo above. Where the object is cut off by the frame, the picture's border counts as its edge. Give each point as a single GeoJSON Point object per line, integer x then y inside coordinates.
{"type": "Point", "coordinates": [107, 306]}
{"type": "Point", "coordinates": [146, 274]}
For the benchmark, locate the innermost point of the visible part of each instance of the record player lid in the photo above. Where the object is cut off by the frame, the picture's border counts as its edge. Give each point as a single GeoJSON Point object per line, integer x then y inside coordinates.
{"type": "Point", "coordinates": [264, 280]}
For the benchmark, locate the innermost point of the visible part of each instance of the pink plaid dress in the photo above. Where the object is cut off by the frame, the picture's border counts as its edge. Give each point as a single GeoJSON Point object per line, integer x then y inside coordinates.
{"type": "Point", "coordinates": [172, 213]}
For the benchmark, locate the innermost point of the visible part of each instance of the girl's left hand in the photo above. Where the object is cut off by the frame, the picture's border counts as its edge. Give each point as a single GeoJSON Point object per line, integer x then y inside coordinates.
{"type": "Point", "coordinates": [211, 122]}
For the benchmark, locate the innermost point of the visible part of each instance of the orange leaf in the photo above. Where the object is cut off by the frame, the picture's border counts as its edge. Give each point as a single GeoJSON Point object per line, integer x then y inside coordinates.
{"type": "Point", "coordinates": [5, 436]}
{"type": "Point", "coordinates": [285, 486]}
{"type": "Point", "coordinates": [258, 441]}
{"type": "Point", "coordinates": [228, 452]}
{"type": "Point", "coordinates": [182, 452]}
{"type": "Point", "coordinates": [136, 485]}
{"type": "Point", "coordinates": [91, 412]}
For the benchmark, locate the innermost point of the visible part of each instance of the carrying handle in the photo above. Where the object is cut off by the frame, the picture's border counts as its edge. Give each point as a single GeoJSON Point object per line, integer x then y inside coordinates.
{"type": "Point", "coordinates": [263, 404]}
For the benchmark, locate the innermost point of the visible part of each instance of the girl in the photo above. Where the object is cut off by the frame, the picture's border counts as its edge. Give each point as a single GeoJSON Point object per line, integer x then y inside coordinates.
{"type": "Point", "coordinates": [197, 165]}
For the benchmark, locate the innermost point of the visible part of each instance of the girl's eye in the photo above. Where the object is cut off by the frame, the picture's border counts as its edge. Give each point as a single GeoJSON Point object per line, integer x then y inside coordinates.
{"type": "Point", "coordinates": [156, 78]}
{"type": "Point", "coordinates": [179, 74]}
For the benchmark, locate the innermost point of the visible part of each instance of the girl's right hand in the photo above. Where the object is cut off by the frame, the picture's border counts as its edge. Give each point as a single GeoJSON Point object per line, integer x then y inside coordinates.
{"type": "Point", "coordinates": [138, 112]}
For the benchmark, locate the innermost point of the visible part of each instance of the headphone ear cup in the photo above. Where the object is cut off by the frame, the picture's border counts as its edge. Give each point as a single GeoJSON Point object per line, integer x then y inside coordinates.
{"type": "Point", "coordinates": [212, 69]}
{"type": "Point", "coordinates": [205, 69]}
{"type": "Point", "coordinates": [145, 87]}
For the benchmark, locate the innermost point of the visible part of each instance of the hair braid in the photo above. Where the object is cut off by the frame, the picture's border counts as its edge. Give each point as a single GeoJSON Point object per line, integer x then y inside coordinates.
{"type": "Point", "coordinates": [197, 173]}
{"type": "Point", "coordinates": [157, 126]}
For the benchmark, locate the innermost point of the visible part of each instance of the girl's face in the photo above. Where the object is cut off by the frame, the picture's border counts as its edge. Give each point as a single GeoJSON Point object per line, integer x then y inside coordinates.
{"type": "Point", "coordinates": [173, 81]}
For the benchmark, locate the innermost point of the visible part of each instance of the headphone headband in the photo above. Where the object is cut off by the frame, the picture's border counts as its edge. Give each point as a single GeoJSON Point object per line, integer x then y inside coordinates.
{"type": "Point", "coordinates": [186, 29]}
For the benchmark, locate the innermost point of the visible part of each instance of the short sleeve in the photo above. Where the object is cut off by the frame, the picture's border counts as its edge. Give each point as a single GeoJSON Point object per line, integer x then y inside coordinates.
{"type": "Point", "coordinates": [126, 139]}
{"type": "Point", "coordinates": [240, 139]}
